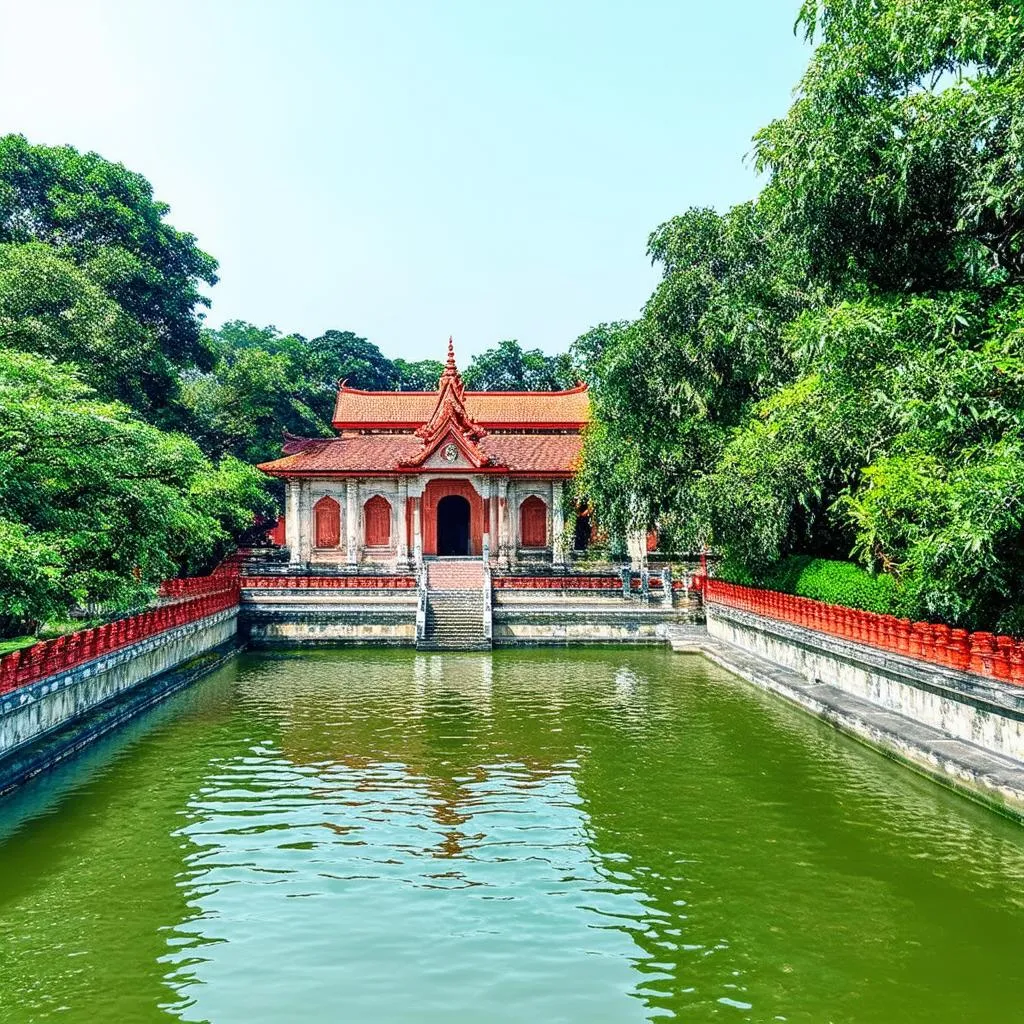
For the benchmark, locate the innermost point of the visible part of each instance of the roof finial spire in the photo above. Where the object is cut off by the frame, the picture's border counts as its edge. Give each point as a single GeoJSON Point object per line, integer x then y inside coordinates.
{"type": "Point", "coordinates": [451, 353]}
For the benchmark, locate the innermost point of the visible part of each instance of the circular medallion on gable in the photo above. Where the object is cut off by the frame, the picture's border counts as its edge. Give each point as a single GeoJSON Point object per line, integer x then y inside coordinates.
{"type": "Point", "coordinates": [450, 452]}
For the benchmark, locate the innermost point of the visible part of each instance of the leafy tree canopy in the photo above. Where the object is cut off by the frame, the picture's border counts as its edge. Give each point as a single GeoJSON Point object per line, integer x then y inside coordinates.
{"type": "Point", "coordinates": [834, 369]}
{"type": "Point", "coordinates": [510, 367]}
{"type": "Point", "coordinates": [103, 218]}
{"type": "Point", "coordinates": [98, 506]}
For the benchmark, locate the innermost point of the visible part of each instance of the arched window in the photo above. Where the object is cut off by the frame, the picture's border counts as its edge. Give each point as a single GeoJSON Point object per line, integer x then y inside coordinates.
{"type": "Point", "coordinates": [533, 523]}
{"type": "Point", "coordinates": [327, 519]}
{"type": "Point", "coordinates": [377, 522]}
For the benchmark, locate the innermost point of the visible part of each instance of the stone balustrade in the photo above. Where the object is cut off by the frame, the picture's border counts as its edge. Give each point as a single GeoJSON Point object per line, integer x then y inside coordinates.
{"type": "Point", "coordinates": [50, 657]}
{"type": "Point", "coordinates": [381, 582]}
{"type": "Point", "coordinates": [980, 653]}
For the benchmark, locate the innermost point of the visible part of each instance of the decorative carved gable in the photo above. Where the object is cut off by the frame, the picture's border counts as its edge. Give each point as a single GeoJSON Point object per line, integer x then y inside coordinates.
{"type": "Point", "coordinates": [450, 424]}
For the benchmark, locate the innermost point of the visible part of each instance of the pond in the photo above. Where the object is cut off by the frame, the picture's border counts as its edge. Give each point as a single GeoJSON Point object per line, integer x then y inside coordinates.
{"type": "Point", "coordinates": [530, 836]}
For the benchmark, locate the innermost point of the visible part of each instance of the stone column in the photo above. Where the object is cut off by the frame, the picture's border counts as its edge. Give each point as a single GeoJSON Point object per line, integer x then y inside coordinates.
{"type": "Point", "coordinates": [636, 545]}
{"type": "Point", "coordinates": [351, 519]}
{"type": "Point", "coordinates": [512, 523]}
{"type": "Point", "coordinates": [417, 531]}
{"type": "Point", "coordinates": [487, 539]}
{"type": "Point", "coordinates": [494, 521]}
{"type": "Point", "coordinates": [557, 524]}
{"type": "Point", "coordinates": [401, 532]}
{"type": "Point", "coordinates": [305, 531]}
{"type": "Point", "coordinates": [503, 534]}
{"type": "Point", "coordinates": [291, 520]}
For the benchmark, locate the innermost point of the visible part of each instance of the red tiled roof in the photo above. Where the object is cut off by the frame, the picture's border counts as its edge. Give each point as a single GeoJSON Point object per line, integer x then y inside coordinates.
{"type": "Point", "coordinates": [383, 453]}
{"type": "Point", "coordinates": [492, 409]}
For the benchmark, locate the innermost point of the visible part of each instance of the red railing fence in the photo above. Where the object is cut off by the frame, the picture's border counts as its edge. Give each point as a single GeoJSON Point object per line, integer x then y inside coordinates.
{"type": "Point", "coordinates": [49, 657]}
{"type": "Point", "coordinates": [328, 582]}
{"type": "Point", "coordinates": [984, 654]}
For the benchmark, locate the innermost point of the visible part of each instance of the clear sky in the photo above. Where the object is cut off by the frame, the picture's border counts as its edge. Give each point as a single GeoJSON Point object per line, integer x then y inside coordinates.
{"type": "Point", "coordinates": [410, 169]}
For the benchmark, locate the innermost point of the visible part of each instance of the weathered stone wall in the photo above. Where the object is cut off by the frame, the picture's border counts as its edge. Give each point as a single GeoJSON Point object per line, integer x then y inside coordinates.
{"type": "Point", "coordinates": [983, 712]}
{"type": "Point", "coordinates": [113, 683]}
{"type": "Point", "coordinates": [284, 617]}
{"type": "Point", "coordinates": [555, 617]}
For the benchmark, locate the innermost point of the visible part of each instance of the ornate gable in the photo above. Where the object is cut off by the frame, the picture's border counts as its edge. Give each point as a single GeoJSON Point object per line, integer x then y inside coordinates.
{"type": "Point", "coordinates": [450, 429]}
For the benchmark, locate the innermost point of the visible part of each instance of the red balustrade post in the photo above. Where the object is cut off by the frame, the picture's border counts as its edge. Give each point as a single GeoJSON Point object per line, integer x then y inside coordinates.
{"type": "Point", "coordinates": [9, 671]}
{"type": "Point", "coordinates": [982, 649]}
{"type": "Point", "coordinates": [959, 650]}
{"type": "Point", "coordinates": [1017, 663]}
{"type": "Point", "coordinates": [39, 654]}
{"type": "Point", "coordinates": [1001, 658]}
{"type": "Point", "coordinates": [75, 648]}
{"type": "Point", "coordinates": [941, 637]}
{"type": "Point", "coordinates": [902, 630]}
{"type": "Point", "coordinates": [914, 640]}
{"type": "Point", "coordinates": [875, 627]}
{"type": "Point", "coordinates": [56, 653]}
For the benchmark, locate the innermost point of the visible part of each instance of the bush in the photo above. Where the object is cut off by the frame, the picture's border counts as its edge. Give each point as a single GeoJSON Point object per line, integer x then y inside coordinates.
{"type": "Point", "coordinates": [835, 582]}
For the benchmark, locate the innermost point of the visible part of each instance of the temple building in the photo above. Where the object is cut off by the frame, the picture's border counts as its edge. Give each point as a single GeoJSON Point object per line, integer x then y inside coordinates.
{"type": "Point", "coordinates": [436, 473]}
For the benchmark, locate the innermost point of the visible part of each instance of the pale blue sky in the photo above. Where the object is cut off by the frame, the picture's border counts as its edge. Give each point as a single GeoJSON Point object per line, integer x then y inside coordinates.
{"type": "Point", "coordinates": [410, 170]}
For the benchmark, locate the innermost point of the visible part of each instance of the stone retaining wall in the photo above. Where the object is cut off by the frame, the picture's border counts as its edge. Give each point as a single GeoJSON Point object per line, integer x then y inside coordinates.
{"type": "Point", "coordinates": [983, 712]}
{"type": "Point", "coordinates": [284, 617]}
{"type": "Point", "coordinates": [53, 708]}
{"type": "Point", "coordinates": [519, 623]}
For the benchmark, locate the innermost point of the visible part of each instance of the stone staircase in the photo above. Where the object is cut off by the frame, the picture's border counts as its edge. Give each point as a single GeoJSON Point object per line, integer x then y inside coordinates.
{"type": "Point", "coordinates": [455, 606]}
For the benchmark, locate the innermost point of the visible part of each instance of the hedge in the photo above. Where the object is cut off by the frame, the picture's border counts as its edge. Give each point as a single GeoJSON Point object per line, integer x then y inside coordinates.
{"type": "Point", "coordinates": [823, 579]}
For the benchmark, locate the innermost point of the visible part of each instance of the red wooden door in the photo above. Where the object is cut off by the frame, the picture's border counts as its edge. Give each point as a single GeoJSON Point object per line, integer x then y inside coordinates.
{"type": "Point", "coordinates": [533, 523]}
{"type": "Point", "coordinates": [327, 516]}
{"type": "Point", "coordinates": [377, 522]}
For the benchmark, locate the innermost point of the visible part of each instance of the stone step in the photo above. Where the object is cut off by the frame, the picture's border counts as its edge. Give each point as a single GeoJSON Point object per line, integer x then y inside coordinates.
{"type": "Point", "coordinates": [455, 608]}
{"type": "Point", "coordinates": [455, 575]}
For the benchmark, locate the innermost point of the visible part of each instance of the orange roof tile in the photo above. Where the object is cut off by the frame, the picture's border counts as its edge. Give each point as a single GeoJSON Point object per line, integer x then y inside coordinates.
{"type": "Point", "coordinates": [491, 409]}
{"type": "Point", "coordinates": [384, 453]}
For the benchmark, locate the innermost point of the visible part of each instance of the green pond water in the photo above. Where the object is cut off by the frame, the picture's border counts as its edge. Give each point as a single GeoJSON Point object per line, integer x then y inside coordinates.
{"type": "Point", "coordinates": [532, 836]}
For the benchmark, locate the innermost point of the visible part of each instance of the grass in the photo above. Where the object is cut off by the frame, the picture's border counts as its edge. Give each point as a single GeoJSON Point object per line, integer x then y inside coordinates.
{"type": "Point", "coordinates": [48, 632]}
{"type": "Point", "coordinates": [15, 644]}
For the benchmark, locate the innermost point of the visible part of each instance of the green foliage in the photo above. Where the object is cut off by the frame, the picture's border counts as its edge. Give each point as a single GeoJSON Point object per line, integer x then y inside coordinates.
{"type": "Point", "coordinates": [834, 582]}
{"type": "Point", "coordinates": [103, 219]}
{"type": "Point", "coordinates": [419, 376]}
{"type": "Point", "coordinates": [836, 368]}
{"type": "Point", "coordinates": [510, 367]}
{"type": "Point", "coordinates": [821, 579]}
{"type": "Point", "coordinates": [98, 506]}
{"type": "Point", "coordinates": [667, 389]}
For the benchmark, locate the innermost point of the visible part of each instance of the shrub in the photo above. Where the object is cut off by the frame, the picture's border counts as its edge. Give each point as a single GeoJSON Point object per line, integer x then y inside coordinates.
{"type": "Point", "coordinates": [835, 582]}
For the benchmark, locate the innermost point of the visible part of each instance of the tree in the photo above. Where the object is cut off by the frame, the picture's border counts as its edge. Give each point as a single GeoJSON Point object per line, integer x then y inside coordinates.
{"type": "Point", "coordinates": [50, 306]}
{"type": "Point", "coordinates": [341, 355]}
{"type": "Point", "coordinates": [900, 163]}
{"type": "Point", "coordinates": [263, 382]}
{"type": "Point", "coordinates": [98, 506]}
{"type": "Point", "coordinates": [103, 218]}
{"type": "Point", "coordinates": [418, 376]}
{"type": "Point", "coordinates": [836, 368]}
{"type": "Point", "coordinates": [667, 389]}
{"type": "Point", "coordinates": [510, 367]}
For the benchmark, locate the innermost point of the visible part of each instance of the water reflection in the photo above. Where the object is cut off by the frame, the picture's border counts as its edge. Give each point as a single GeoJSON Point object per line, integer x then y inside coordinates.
{"type": "Point", "coordinates": [397, 891]}
{"type": "Point", "coordinates": [533, 836]}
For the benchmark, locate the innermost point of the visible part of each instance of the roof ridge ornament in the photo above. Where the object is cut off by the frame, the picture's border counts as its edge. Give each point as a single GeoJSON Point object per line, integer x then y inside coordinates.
{"type": "Point", "coordinates": [450, 418]}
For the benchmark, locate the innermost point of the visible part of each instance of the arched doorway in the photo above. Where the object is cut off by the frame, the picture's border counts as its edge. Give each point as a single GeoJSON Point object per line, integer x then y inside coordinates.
{"type": "Point", "coordinates": [453, 525]}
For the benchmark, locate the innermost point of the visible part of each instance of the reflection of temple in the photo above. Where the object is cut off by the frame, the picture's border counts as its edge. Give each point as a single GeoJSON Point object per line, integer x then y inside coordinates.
{"type": "Point", "coordinates": [446, 472]}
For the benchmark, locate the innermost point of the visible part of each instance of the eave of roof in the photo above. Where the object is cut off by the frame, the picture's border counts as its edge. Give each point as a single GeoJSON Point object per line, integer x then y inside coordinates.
{"type": "Point", "coordinates": [553, 455]}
